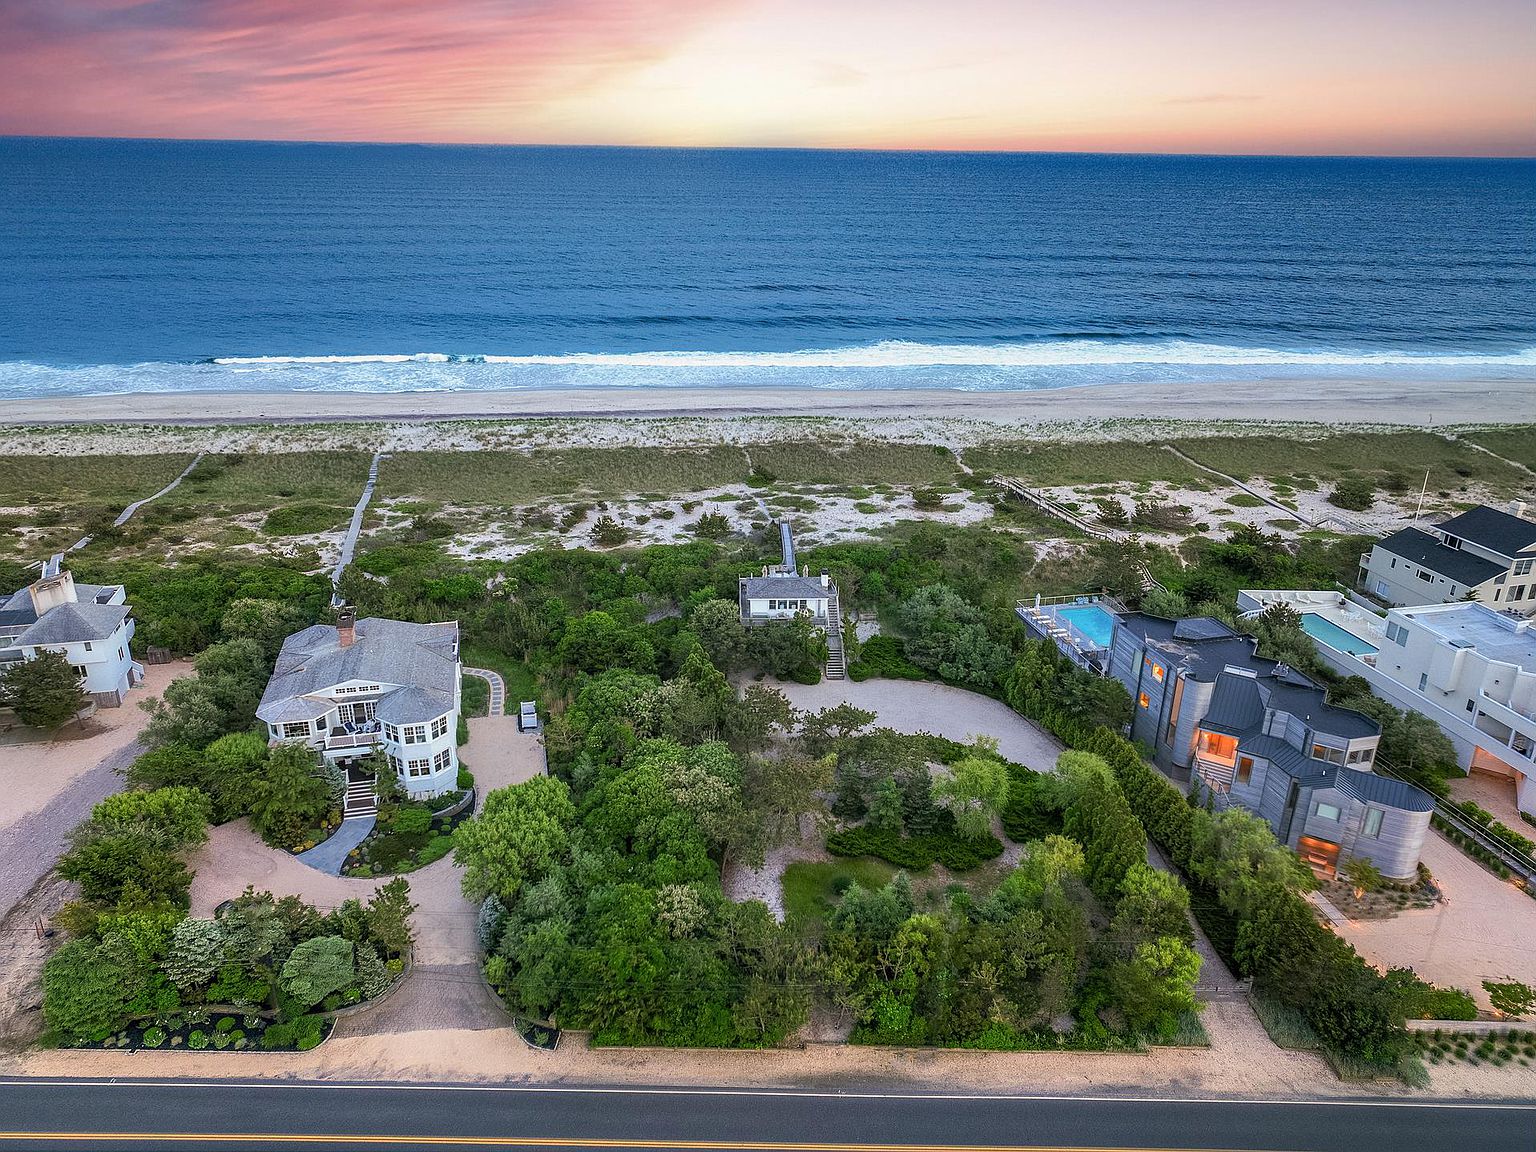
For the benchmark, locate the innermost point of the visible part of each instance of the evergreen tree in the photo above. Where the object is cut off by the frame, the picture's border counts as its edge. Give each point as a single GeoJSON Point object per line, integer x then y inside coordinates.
{"type": "Point", "coordinates": [44, 692]}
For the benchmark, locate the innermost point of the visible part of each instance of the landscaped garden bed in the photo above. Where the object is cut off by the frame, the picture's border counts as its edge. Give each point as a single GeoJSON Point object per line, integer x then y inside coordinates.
{"type": "Point", "coordinates": [317, 833]}
{"type": "Point", "coordinates": [409, 836]}
{"type": "Point", "coordinates": [197, 1031]}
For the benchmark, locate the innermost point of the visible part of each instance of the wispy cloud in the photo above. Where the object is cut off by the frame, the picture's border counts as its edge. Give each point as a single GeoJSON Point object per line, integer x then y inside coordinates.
{"type": "Point", "coordinates": [347, 69]}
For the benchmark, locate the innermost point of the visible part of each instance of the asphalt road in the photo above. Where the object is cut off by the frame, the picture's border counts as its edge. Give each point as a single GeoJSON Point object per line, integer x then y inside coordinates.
{"type": "Point", "coordinates": [126, 1115]}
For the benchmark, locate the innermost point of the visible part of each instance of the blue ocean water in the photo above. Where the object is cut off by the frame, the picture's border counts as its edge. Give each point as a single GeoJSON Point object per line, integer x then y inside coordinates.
{"type": "Point", "coordinates": [159, 266]}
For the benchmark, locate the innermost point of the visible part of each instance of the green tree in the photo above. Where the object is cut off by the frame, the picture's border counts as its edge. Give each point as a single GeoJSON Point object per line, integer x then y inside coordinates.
{"type": "Point", "coordinates": [197, 952]}
{"type": "Point", "coordinates": [523, 831]}
{"type": "Point", "coordinates": [316, 968]}
{"type": "Point", "coordinates": [175, 817]}
{"type": "Point", "coordinates": [288, 795]}
{"type": "Point", "coordinates": [946, 634]}
{"type": "Point", "coordinates": [388, 916]}
{"type": "Point", "coordinates": [1510, 997]}
{"type": "Point", "coordinates": [1156, 985]}
{"type": "Point", "coordinates": [718, 626]}
{"type": "Point", "coordinates": [885, 806]}
{"type": "Point", "coordinates": [974, 789]}
{"type": "Point", "coordinates": [44, 692]}
{"type": "Point", "coordinates": [1363, 876]}
{"type": "Point", "coordinates": [89, 989]}
{"type": "Point", "coordinates": [127, 870]}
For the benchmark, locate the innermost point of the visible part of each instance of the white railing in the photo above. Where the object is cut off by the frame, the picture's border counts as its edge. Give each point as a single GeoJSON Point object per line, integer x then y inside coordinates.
{"type": "Point", "coordinates": [351, 739]}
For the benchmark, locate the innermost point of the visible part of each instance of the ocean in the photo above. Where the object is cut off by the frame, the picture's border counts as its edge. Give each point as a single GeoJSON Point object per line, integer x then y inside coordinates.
{"type": "Point", "coordinates": [161, 266]}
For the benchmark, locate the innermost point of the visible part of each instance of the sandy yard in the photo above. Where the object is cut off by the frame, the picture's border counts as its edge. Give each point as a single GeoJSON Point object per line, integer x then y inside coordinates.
{"type": "Point", "coordinates": [938, 709]}
{"type": "Point", "coordinates": [1496, 794]}
{"type": "Point", "coordinates": [49, 786]}
{"type": "Point", "coordinates": [1485, 929]}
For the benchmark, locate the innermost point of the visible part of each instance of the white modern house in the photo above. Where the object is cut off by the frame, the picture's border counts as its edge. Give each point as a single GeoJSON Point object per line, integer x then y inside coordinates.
{"type": "Point", "coordinates": [89, 624]}
{"type": "Point", "coordinates": [1466, 667]}
{"type": "Point", "coordinates": [1484, 555]}
{"type": "Point", "coordinates": [348, 688]}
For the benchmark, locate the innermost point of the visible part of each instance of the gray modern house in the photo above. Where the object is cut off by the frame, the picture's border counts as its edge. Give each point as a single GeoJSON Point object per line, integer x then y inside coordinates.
{"type": "Point", "coordinates": [1256, 733]}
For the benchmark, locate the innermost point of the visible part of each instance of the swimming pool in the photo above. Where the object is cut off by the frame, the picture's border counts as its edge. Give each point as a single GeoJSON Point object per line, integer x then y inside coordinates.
{"type": "Point", "coordinates": [1325, 631]}
{"type": "Point", "coordinates": [1095, 624]}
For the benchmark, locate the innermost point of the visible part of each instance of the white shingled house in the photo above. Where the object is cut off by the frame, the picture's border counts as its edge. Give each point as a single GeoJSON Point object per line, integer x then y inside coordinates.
{"type": "Point", "coordinates": [348, 688]}
{"type": "Point", "coordinates": [88, 623]}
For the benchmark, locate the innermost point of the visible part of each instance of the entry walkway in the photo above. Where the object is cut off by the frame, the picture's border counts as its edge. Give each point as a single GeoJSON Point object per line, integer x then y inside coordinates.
{"type": "Point", "coordinates": [331, 855]}
{"type": "Point", "coordinates": [496, 705]}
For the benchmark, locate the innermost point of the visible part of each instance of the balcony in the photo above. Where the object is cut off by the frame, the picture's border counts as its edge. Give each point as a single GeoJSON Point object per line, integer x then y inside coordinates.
{"type": "Point", "coordinates": [353, 736]}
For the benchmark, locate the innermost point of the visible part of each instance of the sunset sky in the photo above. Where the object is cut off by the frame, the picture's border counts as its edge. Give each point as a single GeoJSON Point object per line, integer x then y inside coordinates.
{"type": "Point", "coordinates": [1438, 77]}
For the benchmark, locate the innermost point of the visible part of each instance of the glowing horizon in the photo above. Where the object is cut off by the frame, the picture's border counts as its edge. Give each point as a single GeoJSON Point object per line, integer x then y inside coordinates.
{"type": "Point", "coordinates": [1411, 78]}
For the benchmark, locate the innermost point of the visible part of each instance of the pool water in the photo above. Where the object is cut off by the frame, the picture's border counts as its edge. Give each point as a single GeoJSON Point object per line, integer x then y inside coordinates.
{"type": "Point", "coordinates": [1325, 631]}
{"type": "Point", "coordinates": [1096, 624]}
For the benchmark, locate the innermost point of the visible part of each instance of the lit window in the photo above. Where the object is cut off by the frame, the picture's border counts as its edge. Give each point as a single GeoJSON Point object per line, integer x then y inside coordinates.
{"type": "Point", "coordinates": [1244, 769]}
{"type": "Point", "coordinates": [1327, 755]}
{"type": "Point", "coordinates": [1144, 700]}
{"type": "Point", "coordinates": [1217, 746]}
{"type": "Point", "coordinates": [1372, 823]}
{"type": "Point", "coordinates": [1327, 812]}
{"type": "Point", "coordinates": [1157, 673]}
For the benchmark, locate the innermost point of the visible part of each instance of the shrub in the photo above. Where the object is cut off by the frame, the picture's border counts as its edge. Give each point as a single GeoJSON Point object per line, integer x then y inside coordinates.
{"type": "Point", "coordinates": [198, 1040]}
{"type": "Point", "coordinates": [316, 968]}
{"type": "Point", "coordinates": [465, 779]}
{"type": "Point", "coordinates": [412, 821]}
{"type": "Point", "coordinates": [1353, 494]}
{"type": "Point", "coordinates": [955, 852]}
{"type": "Point", "coordinates": [884, 656]}
{"type": "Point", "coordinates": [153, 1037]}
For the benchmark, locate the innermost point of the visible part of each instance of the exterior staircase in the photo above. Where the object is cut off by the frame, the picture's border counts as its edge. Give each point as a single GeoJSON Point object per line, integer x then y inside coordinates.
{"type": "Point", "coordinates": [360, 799]}
{"type": "Point", "coordinates": [837, 659]}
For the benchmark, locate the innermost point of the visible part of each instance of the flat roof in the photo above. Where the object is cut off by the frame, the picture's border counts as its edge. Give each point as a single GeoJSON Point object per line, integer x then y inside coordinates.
{"type": "Point", "coordinates": [1494, 635]}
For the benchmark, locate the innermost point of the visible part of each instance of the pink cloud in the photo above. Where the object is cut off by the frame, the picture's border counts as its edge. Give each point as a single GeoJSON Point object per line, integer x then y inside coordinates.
{"type": "Point", "coordinates": [336, 69]}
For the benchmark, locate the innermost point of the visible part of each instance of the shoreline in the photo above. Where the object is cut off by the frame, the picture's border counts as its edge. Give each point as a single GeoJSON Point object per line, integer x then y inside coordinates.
{"type": "Point", "coordinates": [1400, 403]}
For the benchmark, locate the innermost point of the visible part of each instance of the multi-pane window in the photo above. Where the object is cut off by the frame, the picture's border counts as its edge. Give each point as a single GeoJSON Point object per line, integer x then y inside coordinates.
{"type": "Point", "coordinates": [391, 733]}
{"type": "Point", "coordinates": [415, 733]}
{"type": "Point", "coordinates": [1523, 567]}
{"type": "Point", "coordinates": [1362, 756]}
{"type": "Point", "coordinates": [296, 730]}
{"type": "Point", "coordinates": [441, 760]}
{"type": "Point", "coordinates": [418, 767]}
{"type": "Point", "coordinates": [1327, 755]}
{"type": "Point", "coordinates": [439, 727]}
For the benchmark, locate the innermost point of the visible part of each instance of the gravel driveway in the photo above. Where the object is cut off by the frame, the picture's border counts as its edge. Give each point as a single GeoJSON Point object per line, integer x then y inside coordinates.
{"type": "Point", "coordinates": [922, 706]}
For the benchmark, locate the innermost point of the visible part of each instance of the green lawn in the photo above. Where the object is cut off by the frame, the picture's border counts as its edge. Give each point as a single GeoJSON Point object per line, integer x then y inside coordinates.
{"type": "Point", "coordinates": [811, 890]}
{"type": "Point", "coordinates": [1089, 462]}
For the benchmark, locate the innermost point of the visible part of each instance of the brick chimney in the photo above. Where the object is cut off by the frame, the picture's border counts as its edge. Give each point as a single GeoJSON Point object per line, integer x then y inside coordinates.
{"type": "Point", "coordinates": [346, 622]}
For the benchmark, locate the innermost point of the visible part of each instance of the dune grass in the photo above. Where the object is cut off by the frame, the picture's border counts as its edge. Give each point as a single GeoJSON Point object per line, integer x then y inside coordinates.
{"type": "Point", "coordinates": [114, 481]}
{"type": "Point", "coordinates": [1395, 459]}
{"type": "Point", "coordinates": [1517, 444]}
{"type": "Point", "coordinates": [853, 462]}
{"type": "Point", "coordinates": [1089, 462]}
{"type": "Point", "coordinates": [500, 478]}
{"type": "Point", "coordinates": [256, 481]}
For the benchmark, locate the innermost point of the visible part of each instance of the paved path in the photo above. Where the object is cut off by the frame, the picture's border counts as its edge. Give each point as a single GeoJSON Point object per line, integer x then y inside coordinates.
{"type": "Point", "coordinates": [349, 541]}
{"type": "Point", "coordinates": [92, 1114]}
{"type": "Point", "coordinates": [330, 855]}
{"type": "Point", "coordinates": [497, 704]}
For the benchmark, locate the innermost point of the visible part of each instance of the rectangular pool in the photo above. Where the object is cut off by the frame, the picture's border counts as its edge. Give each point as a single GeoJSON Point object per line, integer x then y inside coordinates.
{"type": "Point", "coordinates": [1325, 631]}
{"type": "Point", "coordinates": [1095, 624]}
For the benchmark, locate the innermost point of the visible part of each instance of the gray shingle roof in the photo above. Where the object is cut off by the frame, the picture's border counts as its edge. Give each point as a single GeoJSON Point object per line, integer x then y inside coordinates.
{"type": "Point", "coordinates": [1497, 531]}
{"type": "Point", "coordinates": [71, 623]}
{"type": "Point", "coordinates": [1427, 552]}
{"type": "Point", "coordinates": [785, 588]}
{"type": "Point", "coordinates": [412, 706]}
{"type": "Point", "coordinates": [420, 656]}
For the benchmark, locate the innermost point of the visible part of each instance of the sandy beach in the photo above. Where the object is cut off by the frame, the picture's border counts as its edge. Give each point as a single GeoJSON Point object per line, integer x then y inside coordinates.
{"type": "Point", "coordinates": [1322, 401]}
